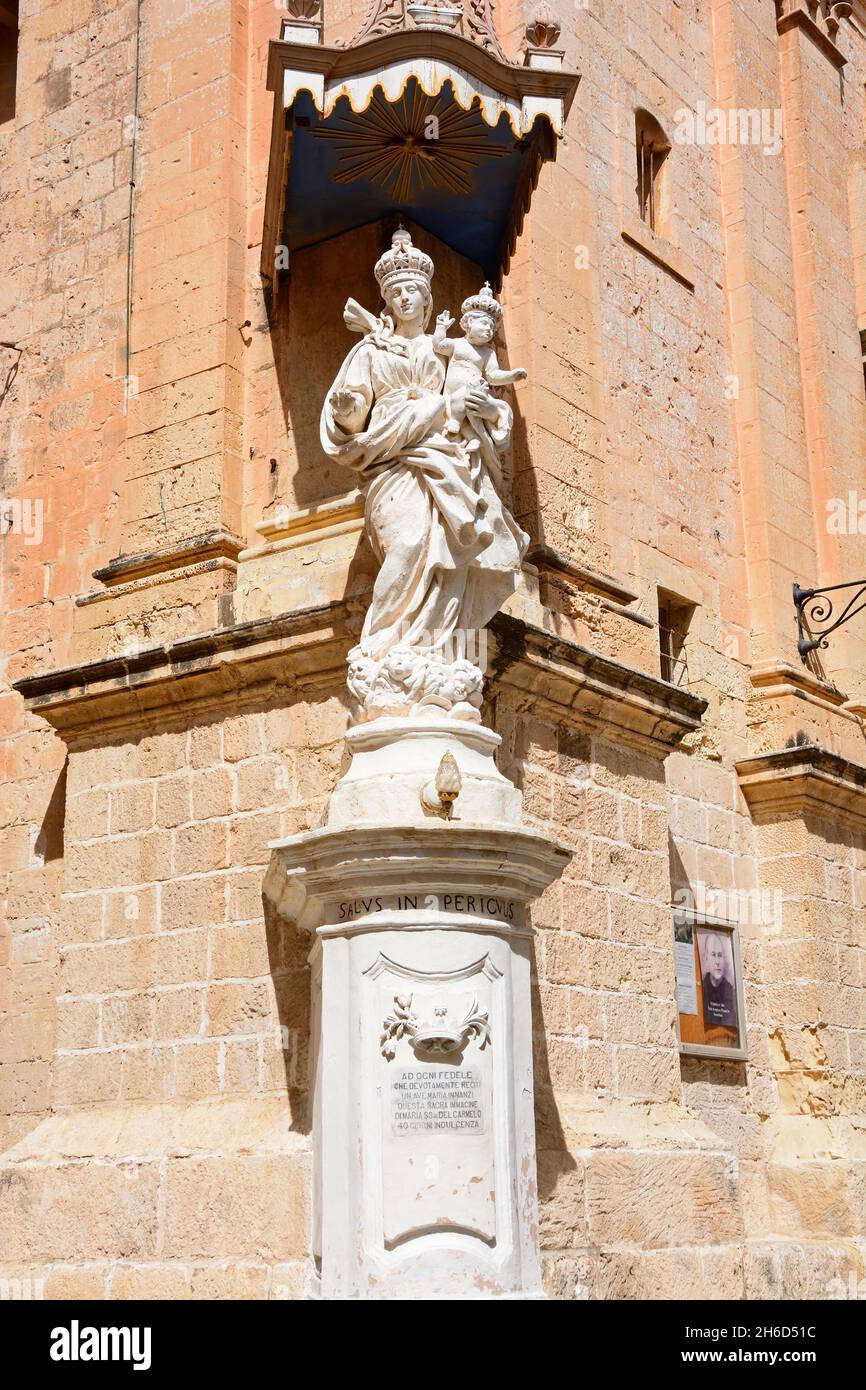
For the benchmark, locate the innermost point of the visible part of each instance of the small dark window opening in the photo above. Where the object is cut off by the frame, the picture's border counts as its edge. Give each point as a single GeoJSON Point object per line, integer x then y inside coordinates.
{"type": "Point", "coordinates": [863, 354]}
{"type": "Point", "coordinates": [653, 148]}
{"type": "Point", "coordinates": [675, 615]}
{"type": "Point", "coordinates": [8, 58]}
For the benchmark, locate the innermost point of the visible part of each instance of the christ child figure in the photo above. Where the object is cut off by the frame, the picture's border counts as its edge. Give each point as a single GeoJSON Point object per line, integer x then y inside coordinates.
{"type": "Point", "coordinates": [472, 368]}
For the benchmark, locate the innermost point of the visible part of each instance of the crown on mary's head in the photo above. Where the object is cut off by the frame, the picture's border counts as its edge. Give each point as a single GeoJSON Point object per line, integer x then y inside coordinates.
{"type": "Point", "coordinates": [484, 303]}
{"type": "Point", "coordinates": [403, 259]}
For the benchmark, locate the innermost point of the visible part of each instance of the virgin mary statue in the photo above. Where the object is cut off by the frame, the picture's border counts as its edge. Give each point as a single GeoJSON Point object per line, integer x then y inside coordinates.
{"type": "Point", "coordinates": [449, 550]}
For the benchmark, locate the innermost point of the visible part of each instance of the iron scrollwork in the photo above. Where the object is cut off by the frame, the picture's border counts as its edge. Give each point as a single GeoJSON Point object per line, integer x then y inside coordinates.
{"type": "Point", "coordinates": [815, 613]}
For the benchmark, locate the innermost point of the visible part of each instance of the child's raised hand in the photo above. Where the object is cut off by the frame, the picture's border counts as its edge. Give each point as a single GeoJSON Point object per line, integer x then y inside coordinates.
{"type": "Point", "coordinates": [443, 321]}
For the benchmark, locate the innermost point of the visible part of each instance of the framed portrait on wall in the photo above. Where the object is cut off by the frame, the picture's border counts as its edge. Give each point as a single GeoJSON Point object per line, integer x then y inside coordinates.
{"type": "Point", "coordinates": [710, 1009]}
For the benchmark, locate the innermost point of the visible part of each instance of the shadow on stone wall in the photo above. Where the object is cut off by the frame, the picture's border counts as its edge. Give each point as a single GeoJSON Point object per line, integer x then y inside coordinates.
{"type": "Point", "coordinates": [49, 841]}
{"type": "Point", "coordinates": [288, 948]}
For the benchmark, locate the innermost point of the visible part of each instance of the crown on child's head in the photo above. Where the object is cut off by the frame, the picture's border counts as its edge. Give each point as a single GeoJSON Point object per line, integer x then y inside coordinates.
{"type": "Point", "coordinates": [483, 302]}
{"type": "Point", "coordinates": [403, 260]}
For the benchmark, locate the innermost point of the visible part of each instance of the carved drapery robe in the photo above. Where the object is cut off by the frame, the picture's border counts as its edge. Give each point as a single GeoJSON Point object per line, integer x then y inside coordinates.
{"type": "Point", "coordinates": [449, 550]}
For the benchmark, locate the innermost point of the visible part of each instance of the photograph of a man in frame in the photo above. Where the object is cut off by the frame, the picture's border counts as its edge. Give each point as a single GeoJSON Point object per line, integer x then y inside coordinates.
{"type": "Point", "coordinates": [717, 978]}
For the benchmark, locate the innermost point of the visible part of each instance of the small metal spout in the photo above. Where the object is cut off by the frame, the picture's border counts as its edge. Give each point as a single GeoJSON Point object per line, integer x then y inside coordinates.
{"type": "Point", "coordinates": [440, 794]}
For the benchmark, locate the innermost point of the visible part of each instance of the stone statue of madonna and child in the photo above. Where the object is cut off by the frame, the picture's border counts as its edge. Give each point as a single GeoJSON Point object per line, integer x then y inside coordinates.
{"type": "Point", "coordinates": [414, 416]}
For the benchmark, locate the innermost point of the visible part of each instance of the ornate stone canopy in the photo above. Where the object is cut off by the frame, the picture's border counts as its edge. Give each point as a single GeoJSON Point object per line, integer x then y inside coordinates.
{"type": "Point", "coordinates": [412, 117]}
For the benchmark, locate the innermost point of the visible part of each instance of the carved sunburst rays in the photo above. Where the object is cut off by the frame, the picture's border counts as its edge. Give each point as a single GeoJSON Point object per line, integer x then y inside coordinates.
{"type": "Point", "coordinates": [418, 143]}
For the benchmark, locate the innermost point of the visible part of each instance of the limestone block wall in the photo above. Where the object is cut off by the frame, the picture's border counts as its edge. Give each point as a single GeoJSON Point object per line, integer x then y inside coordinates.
{"type": "Point", "coordinates": [64, 170]}
{"type": "Point", "coordinates": [178, 1141]}
{"type": "Point", "coordinates": [641, 1194]}
{"type": "Point", "coordinates": [666, 1176]}
{"type": "Point", "coordinates": [178, 1138]}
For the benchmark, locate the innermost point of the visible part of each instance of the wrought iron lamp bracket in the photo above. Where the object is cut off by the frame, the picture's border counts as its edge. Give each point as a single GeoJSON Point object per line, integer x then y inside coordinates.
{"type": "Point", "coordinates": [815, 619]}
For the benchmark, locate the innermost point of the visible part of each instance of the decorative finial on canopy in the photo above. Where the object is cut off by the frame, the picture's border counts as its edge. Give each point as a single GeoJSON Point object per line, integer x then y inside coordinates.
{"type": "Point", "coordinates": [542, 27]}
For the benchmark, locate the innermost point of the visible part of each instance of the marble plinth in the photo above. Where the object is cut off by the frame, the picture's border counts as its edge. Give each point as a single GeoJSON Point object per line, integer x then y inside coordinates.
{"type": "Point", "coordinates": [423, 1113]}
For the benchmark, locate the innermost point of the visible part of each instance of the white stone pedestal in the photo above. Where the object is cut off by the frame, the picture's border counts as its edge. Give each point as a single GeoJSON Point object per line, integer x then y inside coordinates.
{"type": "Point", "coordinates": [423, 1114]}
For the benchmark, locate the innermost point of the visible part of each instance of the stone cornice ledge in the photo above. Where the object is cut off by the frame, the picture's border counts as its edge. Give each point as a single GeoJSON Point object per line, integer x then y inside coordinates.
{"type": "Point", "coordinates": [775, 676]}
{"type": "Point", "coordinates": [805, 778]}
{"type": "Point", "coordinates": [196, 674]}
{"type": "Point", "coordinates": [585, 576]}
{"type": "Point", "coordinates": [302, 649]}
{"type": "Point", "coordinates": [799, 18]}
{"type": "Point", "coordinates": [364, 861]}
{"type": "Point", "coordinates": [631, 705]}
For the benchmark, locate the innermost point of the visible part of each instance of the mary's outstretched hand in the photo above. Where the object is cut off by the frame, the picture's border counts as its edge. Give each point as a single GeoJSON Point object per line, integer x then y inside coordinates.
{"type": "Point", "coordinates": [343, 405]}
